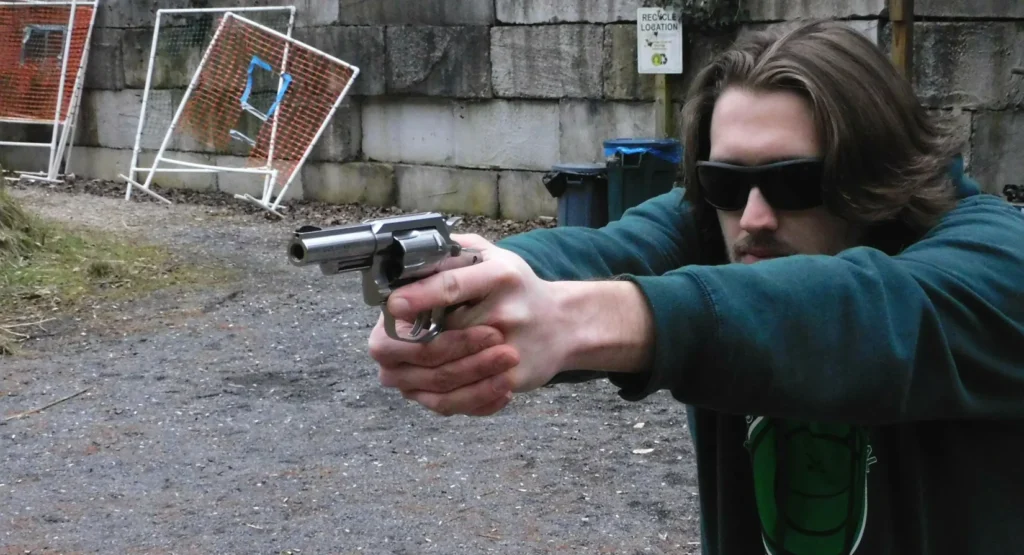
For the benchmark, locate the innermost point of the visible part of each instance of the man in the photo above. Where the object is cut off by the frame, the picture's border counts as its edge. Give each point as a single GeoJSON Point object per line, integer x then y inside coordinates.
{"type": "Point", "coordinates": [834, 301]}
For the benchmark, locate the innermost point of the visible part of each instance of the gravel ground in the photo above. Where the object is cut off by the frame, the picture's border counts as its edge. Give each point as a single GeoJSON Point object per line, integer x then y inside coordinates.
{"type": "Point", "coordinates": [247, 418]}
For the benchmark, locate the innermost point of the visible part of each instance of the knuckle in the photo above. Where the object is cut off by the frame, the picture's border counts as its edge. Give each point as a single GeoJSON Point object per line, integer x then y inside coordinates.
{"type": "Point", "coordinates": [507, 314]}
{"type": "Point", "coordinates": [376, 350]}
{"type": "Point", "coordinates": [507, 276]}
{"type": "Point", "coordinates": [441, 407]}
{"type": "Point", "coordinates": [431, 355]}
{"type": "Point", "coordinates": [476, 339]}
{"type": "Point", "coordinates": [386, 376]}
{"type": "Point", "coordinates": [451, 288]}
{"type": "Point", "coordinates": [444, 380]}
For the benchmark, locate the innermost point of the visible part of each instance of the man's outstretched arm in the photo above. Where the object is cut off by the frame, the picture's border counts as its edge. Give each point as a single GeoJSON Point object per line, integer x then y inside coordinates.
{"type": "Point", "coordinates": [859, 337]}
{"type": "Point", "coordinates": [652, 238]}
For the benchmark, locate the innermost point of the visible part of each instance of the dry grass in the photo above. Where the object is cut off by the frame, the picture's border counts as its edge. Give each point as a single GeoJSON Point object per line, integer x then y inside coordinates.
{"type": "Point", "coordinates": [48, 269]}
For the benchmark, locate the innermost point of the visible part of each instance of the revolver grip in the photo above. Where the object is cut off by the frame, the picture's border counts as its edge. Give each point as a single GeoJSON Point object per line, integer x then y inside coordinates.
{"type": "Point", "coordinates": [428, 325]}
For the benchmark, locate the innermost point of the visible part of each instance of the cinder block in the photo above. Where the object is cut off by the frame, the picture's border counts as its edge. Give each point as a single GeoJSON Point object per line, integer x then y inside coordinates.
{"type": "Point", "coordinates": [313, 13]}
{"type": "Point", "coordinates": [363, 47]}
{"type": "Point", "coordinates": [555, 61]}
{"type": "Point", "coordinates": [586, 125]}
{"type": "Point", "coordinates": [307, 12]}
{"type": "Point", "coordinates": [357, 182]}
{"type": "Point", "coordinates": [968, 64]}
{"type": "Point", "coordinates": [974, 9]}
{"type": "Point", "coordinates": [24, 159]}
{"type": "Point", "coordinates": [621, 80]}
{"type": "Point", "coordinates": [160, 110]}
{"type": "Point", "coordinates": [699, 49]}
{"type": "Point", "coordinates": [105, 69]}
{"type": "Point", "coordinates": [177, 59]}
{"type": "Point", "coordinates": [781, 10]}
{"type": "Point", "coordinates": [447, 190]}
{"type": "Point", "coordinates": [341, 140]}
{"type": "Point", "coordinates": [234, 183]}
{"type": "Point", "coordinates": [410, 130]}
{"type": "Point", "coordinates": [181, 180]}
{"type": "Point", "coordinates": [998, 142]}
{"type": "Point", "coordinates": [870, 28]}
{"type": "Point", "coordinates": [566, 11]}
{"type": "Point", "coordinates": [522, 196]}
{"type": "Point", "coordinates": [100, 163]}
{"type": "Point", "coordinates": [511, 135]}
{"type": "Point", "coordinates": [26, 133]}
{"type": "Point", "coordinates": [418, 12]}
{"type": "Point", "coordinates": [439, 61]}
{"type": "Point", "coordinates": [110, 118]}
{"type": "Point", "coordinates": [133, 13]}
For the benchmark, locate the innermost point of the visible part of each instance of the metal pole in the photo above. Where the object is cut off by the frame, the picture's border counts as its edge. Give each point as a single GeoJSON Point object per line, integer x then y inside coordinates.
{"type": "Point", "coordinates": [133, 168]}
{"type": "Point", "coordinates": [51, 172]}
{"type": "Point", "coordinates": [663, 120]}
{"type": "Point", "coordinates": [901, 13]}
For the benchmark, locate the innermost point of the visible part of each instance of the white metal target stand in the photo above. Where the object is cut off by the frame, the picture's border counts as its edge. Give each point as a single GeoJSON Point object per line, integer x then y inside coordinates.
{"type": "Point", "coordinates": [181, 166]}
{"type": "Point", "coordinates": [269, 200]}
{"type": "Point", "coordinates": [63, 129]}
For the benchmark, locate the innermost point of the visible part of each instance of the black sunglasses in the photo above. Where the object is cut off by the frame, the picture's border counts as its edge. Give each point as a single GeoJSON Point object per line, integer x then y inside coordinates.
{"type": "Point", "coordinates": [786, 185]}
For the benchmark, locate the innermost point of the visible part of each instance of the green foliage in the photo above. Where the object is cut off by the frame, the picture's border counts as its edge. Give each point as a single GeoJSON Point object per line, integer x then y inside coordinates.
{"type": "Point", "coordinates": [709, 15]}
{"type": "Point", "coordinates": [48, 268]}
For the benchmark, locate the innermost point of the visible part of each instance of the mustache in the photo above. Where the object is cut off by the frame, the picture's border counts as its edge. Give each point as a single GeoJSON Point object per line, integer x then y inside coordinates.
{"type": "Point", "coordinates": [764, 244]}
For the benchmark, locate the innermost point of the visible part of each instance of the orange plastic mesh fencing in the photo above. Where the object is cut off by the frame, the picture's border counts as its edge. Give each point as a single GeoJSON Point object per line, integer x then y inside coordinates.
{"type": "Point", "coordinates": [32, 38]}
{"type": "Point", "coordinates": [236, 77]}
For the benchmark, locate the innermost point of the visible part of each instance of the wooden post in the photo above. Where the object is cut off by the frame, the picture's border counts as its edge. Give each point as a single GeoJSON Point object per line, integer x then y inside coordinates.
{"type": "Point", "coordinates": [901, 13]}
{"type": "Point", "coordinates": [663, 121]}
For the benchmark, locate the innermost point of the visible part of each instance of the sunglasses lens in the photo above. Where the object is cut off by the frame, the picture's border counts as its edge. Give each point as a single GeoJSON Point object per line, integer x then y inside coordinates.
{"type": "Point", "coordinates": [723, 188]}
{"type": "Point", "coordinates": [792, 185]}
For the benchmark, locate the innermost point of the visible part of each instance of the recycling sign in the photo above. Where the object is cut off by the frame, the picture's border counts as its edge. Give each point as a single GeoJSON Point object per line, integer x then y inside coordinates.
{"type": "Point", "coordinates": [659, 36]}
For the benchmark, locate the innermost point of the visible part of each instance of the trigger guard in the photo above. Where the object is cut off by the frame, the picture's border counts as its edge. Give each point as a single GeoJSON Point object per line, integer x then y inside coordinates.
{"type": "Point", "coordinates": [436, 321]}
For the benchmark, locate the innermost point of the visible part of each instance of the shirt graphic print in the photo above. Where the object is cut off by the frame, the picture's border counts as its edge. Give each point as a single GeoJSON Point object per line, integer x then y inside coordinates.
{"type": "Point", "coordinates": [810, 485]}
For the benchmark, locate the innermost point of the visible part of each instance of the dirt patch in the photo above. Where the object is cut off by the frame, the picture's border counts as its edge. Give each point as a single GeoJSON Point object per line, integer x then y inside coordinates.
{"type": "Point", "coordinates": [246, 417]}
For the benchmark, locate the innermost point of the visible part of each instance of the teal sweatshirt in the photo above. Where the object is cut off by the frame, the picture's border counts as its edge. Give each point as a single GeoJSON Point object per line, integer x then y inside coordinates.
{"type": "Point", "coordinates": [860, 402]}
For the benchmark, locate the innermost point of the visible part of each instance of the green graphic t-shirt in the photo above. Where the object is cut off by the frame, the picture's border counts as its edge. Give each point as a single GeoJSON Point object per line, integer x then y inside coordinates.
{"type": "Point", "coordinates": [810, 484]}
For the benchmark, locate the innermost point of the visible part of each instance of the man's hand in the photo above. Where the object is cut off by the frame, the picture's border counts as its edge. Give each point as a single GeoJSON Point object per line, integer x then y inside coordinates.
{"type": "Point", "coordinates": [504, 301]}
{"type": "Point", "coordinates": [545, 327]}
{"type": "Point", "coordinates": [460, 371]}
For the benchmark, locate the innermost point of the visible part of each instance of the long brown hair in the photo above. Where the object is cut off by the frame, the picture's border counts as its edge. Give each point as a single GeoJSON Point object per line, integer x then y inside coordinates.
{"type": "Point", "coordinates": [886, 158]}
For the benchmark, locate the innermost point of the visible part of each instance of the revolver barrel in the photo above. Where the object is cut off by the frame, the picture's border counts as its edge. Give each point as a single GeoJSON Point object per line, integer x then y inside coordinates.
{"type": "Point", "coordinates": [350, 247]}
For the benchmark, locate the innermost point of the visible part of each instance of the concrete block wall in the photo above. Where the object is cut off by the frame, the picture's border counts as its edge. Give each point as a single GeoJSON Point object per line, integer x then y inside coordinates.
{"type": "Point", "coordinates": [463, 105]}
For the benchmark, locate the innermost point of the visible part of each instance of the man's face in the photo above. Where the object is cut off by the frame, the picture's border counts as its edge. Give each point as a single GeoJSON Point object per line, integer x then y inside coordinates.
{"type": "Point", "coordinates": [752, 128]}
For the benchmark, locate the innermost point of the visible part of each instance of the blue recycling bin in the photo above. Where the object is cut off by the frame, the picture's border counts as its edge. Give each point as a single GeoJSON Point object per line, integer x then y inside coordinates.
{"type": "Point", "coordinates": [582, 193]}
{"type": "Point", "coordinates": [639, 169]}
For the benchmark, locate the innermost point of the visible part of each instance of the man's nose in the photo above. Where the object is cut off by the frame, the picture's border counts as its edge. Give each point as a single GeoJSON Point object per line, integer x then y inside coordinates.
{"type": "Point", "coordinates": [758, 215]}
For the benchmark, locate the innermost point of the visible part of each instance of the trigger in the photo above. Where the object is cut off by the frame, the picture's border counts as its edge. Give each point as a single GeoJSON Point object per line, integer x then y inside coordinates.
{"type": "Point", "coordinates": [422, 321]}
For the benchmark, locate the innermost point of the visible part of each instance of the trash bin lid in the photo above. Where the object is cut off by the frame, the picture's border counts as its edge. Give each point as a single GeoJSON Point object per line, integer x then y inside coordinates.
{"type": "Point", "coordinates": [580, 169]}
{"type": "Point", "coordinates": [556, 180]}
{"type": "Point", "coordinates": [668, 149]}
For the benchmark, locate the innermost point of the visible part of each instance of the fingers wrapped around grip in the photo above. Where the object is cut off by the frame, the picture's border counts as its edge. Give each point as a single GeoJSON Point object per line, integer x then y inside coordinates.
{"type": "Point", "coordinates": [488, 365]}
{"type": "Point", "coordinates": [446, 347]}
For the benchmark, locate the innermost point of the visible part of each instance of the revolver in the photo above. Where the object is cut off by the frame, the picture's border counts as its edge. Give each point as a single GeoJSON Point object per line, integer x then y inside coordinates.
{"type": "Point", "coordinates": [389, 252]}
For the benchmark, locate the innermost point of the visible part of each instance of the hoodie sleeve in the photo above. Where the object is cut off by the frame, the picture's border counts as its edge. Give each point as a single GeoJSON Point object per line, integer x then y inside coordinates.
{"type": "Point", "coordinates": [932, 333]}
{"type": "Point", "coordinates": [650, 239]}
{"type": "Point", "coordinates": [655, 237]}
